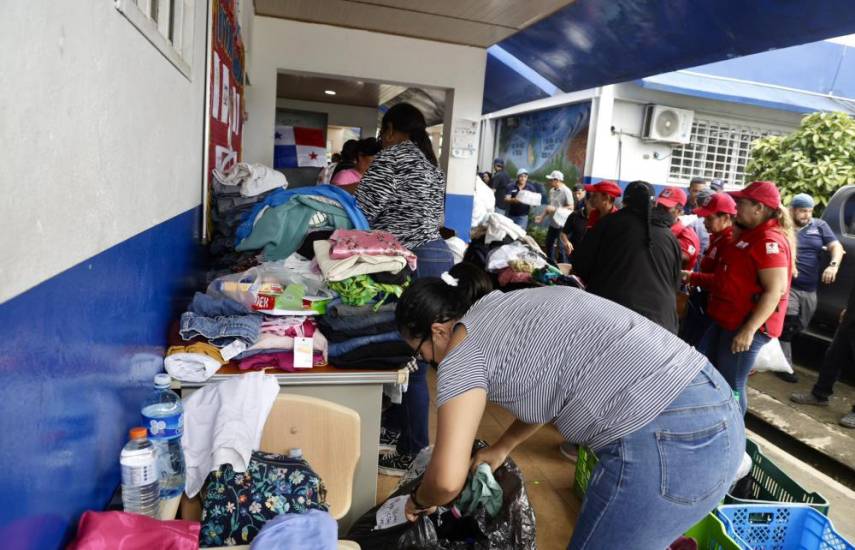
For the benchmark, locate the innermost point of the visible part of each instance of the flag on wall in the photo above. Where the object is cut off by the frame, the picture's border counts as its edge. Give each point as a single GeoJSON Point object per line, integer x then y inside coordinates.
{"type": "Point", "coordinates": [295, 147]}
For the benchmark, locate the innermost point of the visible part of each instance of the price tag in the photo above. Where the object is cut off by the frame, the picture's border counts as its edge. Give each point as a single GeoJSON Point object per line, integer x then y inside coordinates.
{"type": "Point", "coordinates": [233, 350]}
{"type": "Point", "coordinates": [302, 353]}
{"type": "Point", "coordinates": [392, 512]}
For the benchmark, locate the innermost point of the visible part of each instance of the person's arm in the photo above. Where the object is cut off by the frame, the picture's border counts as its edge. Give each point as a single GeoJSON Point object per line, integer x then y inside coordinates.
{"type": "Point", "coordinates": [702, 280]}
{"type": "Point", "coordinates": [457, 422]}
{"type": "Point", "coordinates": [565, 243]}
{"type": "Point", "coordinates": [495, 455]}
{"type": "Point", "coordinates": [837, 251]}
{"type": "Point", "coordinates": [377, 187]}
{"type": "Point", "coordinates": [774, 283]}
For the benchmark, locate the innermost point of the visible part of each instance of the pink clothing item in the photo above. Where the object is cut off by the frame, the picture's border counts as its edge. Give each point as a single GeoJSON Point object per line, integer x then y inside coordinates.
{"type": "Point", "coordinates": [124, 531]}
{"type": "Point", "coordinates": [282, 361]}
{"type": "Point", "coordinates": [289, 326]}
{"type": "Point", "coordinates": [353, 242]}
{"type": "Point", "coordinates": [508, 276]}
{"type": "Point", "coordinates": [347, 177]}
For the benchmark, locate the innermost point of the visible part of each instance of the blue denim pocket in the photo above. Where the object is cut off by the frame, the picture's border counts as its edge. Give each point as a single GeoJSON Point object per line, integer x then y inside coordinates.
{"type": "Point", "coordinates": [688, 462]}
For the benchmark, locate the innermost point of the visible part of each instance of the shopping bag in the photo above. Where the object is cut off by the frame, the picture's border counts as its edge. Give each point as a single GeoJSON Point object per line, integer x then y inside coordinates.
{"type": "Point", "coordinates": [772, 358]}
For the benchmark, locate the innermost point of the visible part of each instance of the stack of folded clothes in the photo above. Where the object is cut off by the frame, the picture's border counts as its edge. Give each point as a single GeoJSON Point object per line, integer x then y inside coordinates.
{"type": "Point", "coordinates": [235, 194]}
{"type": "Point", "coordinates": [364, 337]}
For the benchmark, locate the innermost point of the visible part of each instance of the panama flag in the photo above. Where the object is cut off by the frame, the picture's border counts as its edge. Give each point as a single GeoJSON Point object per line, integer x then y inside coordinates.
{"type": "Point", "coordinates": [295, 147]}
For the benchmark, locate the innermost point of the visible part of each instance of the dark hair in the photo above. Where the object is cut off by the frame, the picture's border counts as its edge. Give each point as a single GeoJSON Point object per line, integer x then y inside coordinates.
{"type": "Point", "coordinates": [407, 119]}
{"type": "Point", "coordinates": [368, 147]}
{"type": "Point", "coordinates": [638, 198]}
{"type": "Point", "coordinates": [431, 300]}
{"type": "Point", "coordinates": [348, 156]}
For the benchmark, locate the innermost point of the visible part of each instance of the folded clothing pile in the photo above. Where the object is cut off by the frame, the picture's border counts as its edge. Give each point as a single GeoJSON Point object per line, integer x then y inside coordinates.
{"type": "Point", "coordinates": [235, 194]}
{"type": "Point", "coordinates": [364, 337]}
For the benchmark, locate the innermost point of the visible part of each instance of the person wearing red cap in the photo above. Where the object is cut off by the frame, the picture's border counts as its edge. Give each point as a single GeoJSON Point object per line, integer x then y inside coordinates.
{"type": "Point", "coordinates": [717, 212]}
{"type": "Point", "coordinates": [748, 299]}
{"type": "Point", "coordinates": [601, 197]}
{"type": "Point", "coordinates": [673, 200]}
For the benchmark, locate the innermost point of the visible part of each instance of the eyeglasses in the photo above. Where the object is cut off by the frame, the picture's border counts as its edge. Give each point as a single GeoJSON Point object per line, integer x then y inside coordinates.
{"type": "Point", "coordinates": [417, 354]}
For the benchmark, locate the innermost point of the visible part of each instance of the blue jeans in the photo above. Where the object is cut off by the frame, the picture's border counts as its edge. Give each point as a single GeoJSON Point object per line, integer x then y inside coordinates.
{"type": "Point", "coordinates": [652, 485]}
{"type": "Point", "coordinates": [410, 418]}
{"type": "Point", "coordinates": [521, 221]}
{"type": "Point", "coordinates": [209, 306]}
{"type": "Point", "coordinates": [735, 367]}
{"type": "Point", "coordinates": [337, 349]}
{"type": "Point", "coordinates": [221, 331]}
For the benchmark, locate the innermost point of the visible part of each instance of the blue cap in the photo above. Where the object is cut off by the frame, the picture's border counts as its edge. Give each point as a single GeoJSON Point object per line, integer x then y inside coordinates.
{"type": "Point", "coordinates": [499, 161]}
{"type": "Point", "coordinates": [522, 171]}
{"type": "Point", "coordinates": [802, 200]}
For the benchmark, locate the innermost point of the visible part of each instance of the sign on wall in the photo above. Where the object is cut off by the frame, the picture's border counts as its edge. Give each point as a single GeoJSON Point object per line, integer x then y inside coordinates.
{"type": "Point", "coordinates": [225, 92]}
{"type": "Point", "coordinates": [543, 141]}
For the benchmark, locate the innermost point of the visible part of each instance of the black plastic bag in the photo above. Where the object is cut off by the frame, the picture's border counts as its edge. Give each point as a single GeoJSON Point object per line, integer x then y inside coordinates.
{"type": "Point", "coordinates": [513, 528]}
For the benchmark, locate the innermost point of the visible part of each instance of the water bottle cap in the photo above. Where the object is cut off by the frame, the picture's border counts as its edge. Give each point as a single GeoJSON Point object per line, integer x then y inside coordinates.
{"type": "Point", "coordinates": [295, 452]}
{"type": "Point", "coordinates": [138, 433]}
{"type": "Point", "coordinates": [162, 380]}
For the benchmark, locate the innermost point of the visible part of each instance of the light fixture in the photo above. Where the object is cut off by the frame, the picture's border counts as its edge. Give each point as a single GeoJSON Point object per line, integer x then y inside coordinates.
{"type": "Point", "coordinates": [329, 92]}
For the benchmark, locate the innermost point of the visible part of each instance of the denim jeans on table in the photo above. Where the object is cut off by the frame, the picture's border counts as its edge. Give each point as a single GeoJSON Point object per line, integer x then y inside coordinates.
{"type": "Point", "coordinates": [521, 221]}
{"type": "Point", "coordinates": [652, 485]}
{"type": "Point", "coordinates": [410, 418]}
{"type": "Point", "coordinates": [337, 349]}
{"type": "Point", "coordinates": [206, 305]}
{"type": "Point", "coordinates": [221, 331]}
{"type": "Point", "coordinates": [735, 367]}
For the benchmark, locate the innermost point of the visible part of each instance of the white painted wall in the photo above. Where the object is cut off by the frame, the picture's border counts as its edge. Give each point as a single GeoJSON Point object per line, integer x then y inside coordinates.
{"type": "Point", "coordinates": [622, 106]}
{"type": "Point", "coordinates": [101, 135]}
{"type": "Point", "coordinates": [279, 44]}
{"type": "Point", "coordinates": [337, 115]}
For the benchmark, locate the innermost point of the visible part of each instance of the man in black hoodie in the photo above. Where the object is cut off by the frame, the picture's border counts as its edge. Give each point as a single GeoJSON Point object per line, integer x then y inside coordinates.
{"type": "Point", "coordinates": [632, 258]}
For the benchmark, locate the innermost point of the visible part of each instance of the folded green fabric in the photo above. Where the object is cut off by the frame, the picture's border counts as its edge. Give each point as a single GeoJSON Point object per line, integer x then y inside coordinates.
{"type": "Point", "coordinates": [481, 490]}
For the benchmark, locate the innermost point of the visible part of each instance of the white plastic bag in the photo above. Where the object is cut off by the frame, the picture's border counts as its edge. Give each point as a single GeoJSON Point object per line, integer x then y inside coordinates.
{"type": "Point", "coordinates": [269, 277]}
{"type": "Point", "coordinates": [772, 358]}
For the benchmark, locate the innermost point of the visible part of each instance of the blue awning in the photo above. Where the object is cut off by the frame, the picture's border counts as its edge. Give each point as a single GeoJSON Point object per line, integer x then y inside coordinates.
{"type": "Point", "coordinates": [592, 43]}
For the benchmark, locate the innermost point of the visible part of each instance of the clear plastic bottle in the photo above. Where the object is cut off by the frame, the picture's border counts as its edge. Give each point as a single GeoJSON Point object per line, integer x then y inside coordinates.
{"type": "Point", "coordinates": [140, 487]}
{"type": "Point", "coordinates": [163, 415]}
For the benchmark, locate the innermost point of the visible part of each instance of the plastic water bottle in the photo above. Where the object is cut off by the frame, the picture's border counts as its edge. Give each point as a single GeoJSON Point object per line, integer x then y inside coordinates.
{"type": "Point", "coordinates": [295, 452]}
{"type": "Point", "coordinates": [140, 487]}
{"type": "Point", "coordinates": [163, 415]}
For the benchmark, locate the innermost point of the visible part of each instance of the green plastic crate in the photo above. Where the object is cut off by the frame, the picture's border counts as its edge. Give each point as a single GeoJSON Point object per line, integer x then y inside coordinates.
{"type": "Point", "coordinates": [766, 484]}
{"type": "Point", "coordinates": [711, 534]}
{"type": "Point", "coordinates": [585, 464]}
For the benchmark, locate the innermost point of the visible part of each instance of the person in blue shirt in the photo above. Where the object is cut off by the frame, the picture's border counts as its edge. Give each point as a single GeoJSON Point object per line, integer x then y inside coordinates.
{"type": "Point", "coordinates": [517, 211]}
{"type": "Point", "coordinates": [813, 236]}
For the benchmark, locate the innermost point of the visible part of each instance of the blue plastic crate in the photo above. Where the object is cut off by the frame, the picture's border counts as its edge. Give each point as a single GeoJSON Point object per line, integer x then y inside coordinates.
{"type": "Point", "coordinates": [780, 527]}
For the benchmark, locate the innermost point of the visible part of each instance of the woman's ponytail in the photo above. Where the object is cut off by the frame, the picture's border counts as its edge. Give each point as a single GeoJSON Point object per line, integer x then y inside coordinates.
{"type": "Point", "coordinates": [785, 221]}
{"type": "Point", "coordinates": [439, 299]}
{"type": "Point", "coordinates": [407, 119]}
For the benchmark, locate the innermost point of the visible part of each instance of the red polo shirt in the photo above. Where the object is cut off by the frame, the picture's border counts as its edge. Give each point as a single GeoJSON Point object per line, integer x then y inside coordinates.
{"type": "Point", "coordinates": [594, 216]}
{"type": "Point", "coordinates": [690, 245]}
{"type": "Point", "coordinates": [736, 288]}
{"type": "Point", "coordinates": [706, 276]}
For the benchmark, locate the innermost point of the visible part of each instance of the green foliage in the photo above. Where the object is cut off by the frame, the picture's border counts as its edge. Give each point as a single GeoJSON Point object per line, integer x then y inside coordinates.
{"type": "Point", "coordinates": [818, 158]}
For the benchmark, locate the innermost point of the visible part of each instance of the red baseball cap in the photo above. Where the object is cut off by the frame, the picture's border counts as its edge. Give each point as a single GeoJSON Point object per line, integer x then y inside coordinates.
{"type": "Point", "coordinates": [718, 203]}
{"type": "Point", "coordinates": [764, 192]}
{"type": "Point", "coordinates": [671, 197]}
{"type": "Point", "coordinates": [607, 187]}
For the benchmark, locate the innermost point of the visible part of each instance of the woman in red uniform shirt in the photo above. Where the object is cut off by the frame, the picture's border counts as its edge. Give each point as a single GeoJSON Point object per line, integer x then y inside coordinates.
{"type": "Point", "coordinates": [717, 210]}
{"type": "Point", "coordinates": [748, 300]}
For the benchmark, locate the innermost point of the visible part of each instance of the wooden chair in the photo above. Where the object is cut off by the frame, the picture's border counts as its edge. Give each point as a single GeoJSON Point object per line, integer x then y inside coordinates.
{"type": "Point", "coordinates": [328, 435]}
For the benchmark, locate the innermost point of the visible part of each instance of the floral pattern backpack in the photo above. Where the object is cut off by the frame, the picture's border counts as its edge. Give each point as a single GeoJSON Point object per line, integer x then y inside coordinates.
{"type": "Point", "coordinates": [235, 506]}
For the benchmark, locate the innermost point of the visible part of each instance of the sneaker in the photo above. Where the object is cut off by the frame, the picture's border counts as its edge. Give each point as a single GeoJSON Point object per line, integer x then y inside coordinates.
{"type": "Point", "coordinates": [848, 421]}
{"type": "Point", "coordinates": [790, 377]}
{"type": "Point", "coordinates": [808, 399]}
{"type": "Point", "coordinates": [388, 440]}
{"type": "Point", "coordinates": [569, 451]}
{"type": "Point", "coordinates": [395, 464]}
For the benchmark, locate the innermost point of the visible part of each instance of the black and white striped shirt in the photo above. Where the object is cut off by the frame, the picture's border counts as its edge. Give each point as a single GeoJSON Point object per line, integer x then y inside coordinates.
{"type": "Point", "coordinates": [402, 193]}
{"type": "Point", "coordinates": [595, 369]}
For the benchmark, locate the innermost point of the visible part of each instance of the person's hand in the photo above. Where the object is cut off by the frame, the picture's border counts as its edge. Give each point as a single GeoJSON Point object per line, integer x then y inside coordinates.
{"type": "Point", "coordinates": [829, 275]}
{"type": "Point", "coordinates": [493, 456]}
{"type": "Point", "coordinates": [684, 275]}
{"type": "Point", "coordinates": [568, 248]}
{"type": "Point", "coordinates": [549, 210]}
{"type": "Point", "coordinates": [538, 219]}
{"type": "Point", "coordinates": [742, 341]}
{"type": "Point", "coordinates": [413, 513]}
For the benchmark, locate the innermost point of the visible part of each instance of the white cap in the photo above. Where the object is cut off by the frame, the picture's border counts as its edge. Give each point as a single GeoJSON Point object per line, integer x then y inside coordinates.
{"type": "Point", "coordinates": [555, 175]}
{"type": "Point", "coordinates": [162, 379]}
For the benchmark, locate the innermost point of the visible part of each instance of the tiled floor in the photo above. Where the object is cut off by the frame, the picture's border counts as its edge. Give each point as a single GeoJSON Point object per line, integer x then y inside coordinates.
{"type": "Point", "coordinates": [548, 475]}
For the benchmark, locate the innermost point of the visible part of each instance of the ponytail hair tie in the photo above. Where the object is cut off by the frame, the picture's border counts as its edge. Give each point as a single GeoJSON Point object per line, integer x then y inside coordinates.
{"type": "Point", "coordinates": [448, 279]}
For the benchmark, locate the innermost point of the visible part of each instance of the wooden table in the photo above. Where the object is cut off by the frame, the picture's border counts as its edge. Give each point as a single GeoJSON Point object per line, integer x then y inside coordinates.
{"type": "Point", "coordinates": [361, 390]}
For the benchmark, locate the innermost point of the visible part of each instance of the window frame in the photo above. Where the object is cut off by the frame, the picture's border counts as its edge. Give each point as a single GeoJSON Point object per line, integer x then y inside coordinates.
{"type": "Point", "coordinates": [148, 17]}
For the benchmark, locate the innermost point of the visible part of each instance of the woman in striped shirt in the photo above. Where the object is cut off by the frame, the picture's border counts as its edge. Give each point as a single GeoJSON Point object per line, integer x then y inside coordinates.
{"type": "Point", "coordinates": [663, 422]}
{"type": "Point", "coordinates": [403, 192]}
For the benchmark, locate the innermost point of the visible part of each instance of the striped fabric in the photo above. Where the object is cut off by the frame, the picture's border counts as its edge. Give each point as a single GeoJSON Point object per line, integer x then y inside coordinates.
{"type": "Point", "coordinates": [595, 369]}
{"type": "Point", "coordinates": [402, 193]}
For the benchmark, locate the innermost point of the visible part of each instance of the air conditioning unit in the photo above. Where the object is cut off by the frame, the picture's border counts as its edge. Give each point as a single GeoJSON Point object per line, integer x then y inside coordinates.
{"type": "Point", "coordinates": [667, 124]}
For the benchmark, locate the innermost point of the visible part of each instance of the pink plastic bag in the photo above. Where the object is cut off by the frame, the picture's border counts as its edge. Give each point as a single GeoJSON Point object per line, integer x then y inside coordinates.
{"type": "Point", "coordinates": [123, 531]}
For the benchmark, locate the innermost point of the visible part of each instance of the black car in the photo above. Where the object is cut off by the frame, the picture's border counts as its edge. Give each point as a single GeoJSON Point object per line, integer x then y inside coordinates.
{"type": "Point", "coordinates": [831, 299]}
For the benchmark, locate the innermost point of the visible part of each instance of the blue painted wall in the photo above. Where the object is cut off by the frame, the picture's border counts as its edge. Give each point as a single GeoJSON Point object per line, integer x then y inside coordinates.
{"type": "Point", "coordinates": [458, 214]}
{"type": "Point", "coordinates": [77, 354]}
